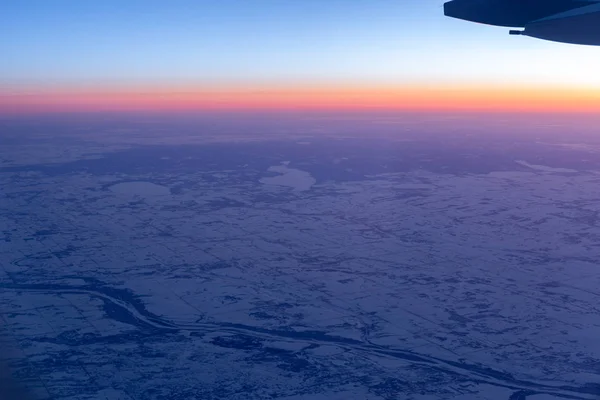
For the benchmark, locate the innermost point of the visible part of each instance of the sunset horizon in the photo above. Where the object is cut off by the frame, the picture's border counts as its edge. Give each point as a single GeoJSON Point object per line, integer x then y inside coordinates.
{"type": "Point", "coordinates": [406, 97]}
{"type": "Point", "coordinates": [96, 57]}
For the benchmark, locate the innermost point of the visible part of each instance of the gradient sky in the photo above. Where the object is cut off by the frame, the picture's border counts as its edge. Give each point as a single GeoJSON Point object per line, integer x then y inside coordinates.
{"type": "Point", "coordinates": [75, 46]}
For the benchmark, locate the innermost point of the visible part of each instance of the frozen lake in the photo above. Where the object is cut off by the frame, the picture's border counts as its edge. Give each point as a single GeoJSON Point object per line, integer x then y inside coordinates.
{"type": "Point", "coordinates": [140, 188]}
{"type": "Point", "coordinates": [297, 179]}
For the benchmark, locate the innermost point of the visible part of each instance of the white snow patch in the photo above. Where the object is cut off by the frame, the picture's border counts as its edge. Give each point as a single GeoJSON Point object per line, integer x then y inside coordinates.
{"type": "Point", "coordinates": [544, 167]}
{"type": "Point", "coordinates": [294, 178]}
{"type": "Point", "coordinates": [510, 174]}
{"type": "Point", "coordinates": [140, 188]}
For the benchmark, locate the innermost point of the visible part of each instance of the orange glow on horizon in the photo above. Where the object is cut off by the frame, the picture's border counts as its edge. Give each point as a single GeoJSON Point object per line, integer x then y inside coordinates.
{"type": "Point", "coordinates": [404, 98]}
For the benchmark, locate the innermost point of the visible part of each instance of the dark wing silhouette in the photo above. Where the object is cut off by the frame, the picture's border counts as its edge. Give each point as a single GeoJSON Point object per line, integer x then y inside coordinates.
{"type": "Point", "coordinates": [567, 21]}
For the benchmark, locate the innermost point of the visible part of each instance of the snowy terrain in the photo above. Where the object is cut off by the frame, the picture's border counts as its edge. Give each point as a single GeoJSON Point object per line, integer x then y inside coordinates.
{"type": "Point", "coordinates": [308, 268]}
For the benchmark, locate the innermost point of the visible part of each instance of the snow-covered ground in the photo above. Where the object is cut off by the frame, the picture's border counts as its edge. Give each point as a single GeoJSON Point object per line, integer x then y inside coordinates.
{"type": "Point", "coordinates": [210, 284]}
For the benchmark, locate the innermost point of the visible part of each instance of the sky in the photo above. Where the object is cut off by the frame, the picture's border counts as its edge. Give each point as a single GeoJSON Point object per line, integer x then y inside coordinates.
{"type": "Point", "coordinates": [178, 54]}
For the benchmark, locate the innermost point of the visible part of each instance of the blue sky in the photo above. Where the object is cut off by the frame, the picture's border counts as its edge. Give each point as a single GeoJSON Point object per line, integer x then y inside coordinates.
{"type": "Point", "coordinates": [80, 42]}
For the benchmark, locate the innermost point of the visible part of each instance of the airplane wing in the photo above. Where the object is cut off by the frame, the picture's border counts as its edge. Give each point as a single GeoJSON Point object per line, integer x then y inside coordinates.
{"type": "Point", "coordinates": [567, 21]}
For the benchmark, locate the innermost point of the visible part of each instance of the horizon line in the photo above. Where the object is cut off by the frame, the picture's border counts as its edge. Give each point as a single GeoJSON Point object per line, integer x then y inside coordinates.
{"type": "Point", "coordinates": [409, 98]}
